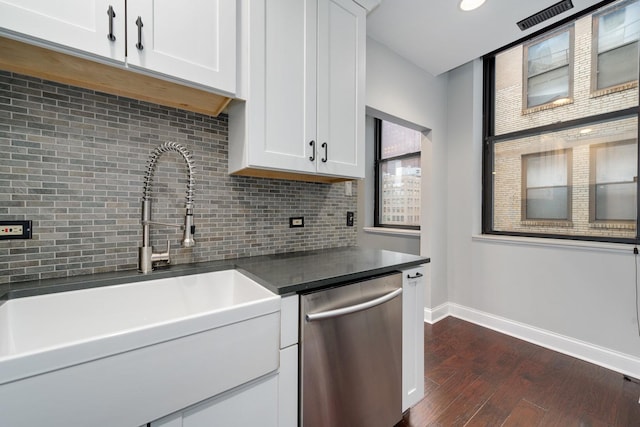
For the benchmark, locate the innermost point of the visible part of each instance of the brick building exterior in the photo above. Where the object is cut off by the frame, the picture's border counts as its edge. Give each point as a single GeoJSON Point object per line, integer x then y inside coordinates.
{"type": "Point", "coordinates": [512, 115]}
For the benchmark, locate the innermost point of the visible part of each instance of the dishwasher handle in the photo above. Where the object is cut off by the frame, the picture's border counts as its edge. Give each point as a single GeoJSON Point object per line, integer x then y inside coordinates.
{"type": "Point", "coordinates": [353, 308]}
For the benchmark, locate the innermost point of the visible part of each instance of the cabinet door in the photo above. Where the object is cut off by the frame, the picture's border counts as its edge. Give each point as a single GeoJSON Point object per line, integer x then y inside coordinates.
{"type": "Point", "coordinates": [253, 404]}
{"type": "Point", "coordinates": [80, 25]}
{"type": "Point", "coordinates": [412, 336]}
{"type": "Point", "coordinates": [194, 41]}
{"type": "Point", "coordinates": [283, 85]}
{"type": "Point", "coordinates": [341, 86]}
{"type": "Point", "coordinates": [288, 387]}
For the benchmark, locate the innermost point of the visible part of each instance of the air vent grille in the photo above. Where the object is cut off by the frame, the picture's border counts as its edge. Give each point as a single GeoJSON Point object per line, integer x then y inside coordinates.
{"type": "Point", "coordinates": [545, 14]}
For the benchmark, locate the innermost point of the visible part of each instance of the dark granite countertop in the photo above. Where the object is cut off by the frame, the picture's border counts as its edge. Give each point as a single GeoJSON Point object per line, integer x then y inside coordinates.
{"type": "Point", "coordinates": [302, 271]}
{"type": "Point", "coordinates": [281, 273]}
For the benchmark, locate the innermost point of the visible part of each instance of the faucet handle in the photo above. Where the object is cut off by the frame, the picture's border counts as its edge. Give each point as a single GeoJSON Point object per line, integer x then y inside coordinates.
{"type": "Point", "coordinates": [162, 256]}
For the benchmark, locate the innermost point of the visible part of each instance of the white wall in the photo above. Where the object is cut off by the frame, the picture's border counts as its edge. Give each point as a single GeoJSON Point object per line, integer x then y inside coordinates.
{"type": "Point", "coordinates": [576, 297]}
{"type": "Point", "coordinates": [400, 89]}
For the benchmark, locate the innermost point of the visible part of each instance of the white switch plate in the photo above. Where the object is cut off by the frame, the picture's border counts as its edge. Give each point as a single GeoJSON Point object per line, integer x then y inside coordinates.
{"type": "Point", "coordinates": [348, 188]}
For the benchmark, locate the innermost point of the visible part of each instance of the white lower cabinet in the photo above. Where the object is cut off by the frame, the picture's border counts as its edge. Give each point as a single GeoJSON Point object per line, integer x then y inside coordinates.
{"type": "Point", "coordinates": [413, 285]}
{"type": "Point", "coordinates": [288, 372]}
{"type": "Point", "coordinates": [288, 387]}
{"type": "Point", "coordinates": [251, 404]}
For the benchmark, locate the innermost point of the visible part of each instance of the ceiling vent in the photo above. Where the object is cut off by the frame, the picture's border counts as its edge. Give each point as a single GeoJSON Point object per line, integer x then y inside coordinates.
{"type": "Point", "coordinates": [545, 14]}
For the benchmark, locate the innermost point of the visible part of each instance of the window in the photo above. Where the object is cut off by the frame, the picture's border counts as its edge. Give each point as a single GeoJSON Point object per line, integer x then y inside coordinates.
{"type": "Point", "coordinates": [616, 46]}
{"type": "Point", "coordinates": [546, 186]}
{"type": "Point", "coordinates": [569, 171]}
{"type": "Point", "coordinates": [614, 171]}
{"type": "Point", "coordinates": [398, 176]}
{"type": "Point", "coordinates": [548, 70]}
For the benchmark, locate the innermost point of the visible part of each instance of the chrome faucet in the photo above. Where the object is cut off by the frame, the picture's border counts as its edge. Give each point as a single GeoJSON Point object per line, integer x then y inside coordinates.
{"type": "Point", "coordinates": [146, 256]}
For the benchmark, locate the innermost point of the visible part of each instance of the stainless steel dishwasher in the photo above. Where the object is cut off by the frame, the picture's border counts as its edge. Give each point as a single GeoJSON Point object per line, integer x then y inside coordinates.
{"type": "Point", "coordinates": [351, 354]}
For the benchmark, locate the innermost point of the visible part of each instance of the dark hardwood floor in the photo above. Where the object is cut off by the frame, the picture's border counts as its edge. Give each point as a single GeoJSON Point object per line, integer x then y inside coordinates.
{"type": "Point", "coordinates": [478, 377]}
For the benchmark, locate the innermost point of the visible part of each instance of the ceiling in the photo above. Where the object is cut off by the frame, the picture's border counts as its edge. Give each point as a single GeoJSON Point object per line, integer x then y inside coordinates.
{"type": "Point", "coordinates": [437, 36]}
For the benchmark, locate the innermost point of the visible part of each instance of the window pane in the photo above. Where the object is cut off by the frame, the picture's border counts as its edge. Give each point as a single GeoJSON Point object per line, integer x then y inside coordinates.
{"type": "Point", "coordinates": [619, 27]}
{"type": "Point", "coordinates": [515, 86]}
{"type": "Point", "coordinates": [547, 203]}
{"type": "Point", "coordinates": [398, 140]}
{"type": "Point", "coordinates": [547, 170]}
{"type": "Point", "coordinates": [534, 200]}
{"type": "Point", "coordinates": [548, 87]}
{"type": "Point", "coordinates": [400, 192]}
{"type": "Point", "coordinates": [618, 66]}
{"type": "Point", "coordinates": [615, 175]}
{"type": "Point", "coordinates": [548, 54]}
{"type": "Point", "coordinates": [616, 202]}
{"type": "Point", "coordinates": [616, 163]}
{"type": "Point", "coordinates": [546, 183]}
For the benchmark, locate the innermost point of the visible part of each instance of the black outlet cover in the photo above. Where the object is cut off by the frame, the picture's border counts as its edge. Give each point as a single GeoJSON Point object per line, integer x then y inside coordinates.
{"type": "Point", "coordinates": [7, 225]}
{"type": "Point", "coordinates": [296, 222]}
{"type": "Point", "coordinates": [350, 217]}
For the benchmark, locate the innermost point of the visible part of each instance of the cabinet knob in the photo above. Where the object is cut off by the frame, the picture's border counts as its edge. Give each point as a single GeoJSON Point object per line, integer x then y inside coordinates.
{"type": "Point", "coordinates": [112, 15]}
{"type": "Point", "coordinates": [417, 276]}
{"type": "Point", "coordinates": [139, 24]}
{"type": "Point", "coordinates": [326, 152]}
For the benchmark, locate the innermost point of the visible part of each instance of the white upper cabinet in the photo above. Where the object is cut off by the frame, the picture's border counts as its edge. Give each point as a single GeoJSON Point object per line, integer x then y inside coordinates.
{"type": "Point", "coordinates": [93, 27]}
{"type": "Point", "coordinates": [341, 86]}
{"type": "Point", "coordinates": [302, 76]}
{"type": "Point", "coordinates": [193, 40]}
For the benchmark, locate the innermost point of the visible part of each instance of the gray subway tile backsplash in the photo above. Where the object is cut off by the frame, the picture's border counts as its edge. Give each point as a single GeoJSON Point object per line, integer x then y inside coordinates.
{"type": "Point", "coordinates": [73, 161]}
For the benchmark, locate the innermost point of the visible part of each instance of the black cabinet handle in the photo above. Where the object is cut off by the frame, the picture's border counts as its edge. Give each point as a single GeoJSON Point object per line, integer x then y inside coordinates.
{"type": "Point", "coordinates": [139, 24]}
{"type": "Point", "coordinates": [312, 157]}
{"type": "Point", "coordinates": [326, 152]}
{"type": "Point", "coordinates": [112, 15]}
{"type": "Point", "coordinates": [417, 276]}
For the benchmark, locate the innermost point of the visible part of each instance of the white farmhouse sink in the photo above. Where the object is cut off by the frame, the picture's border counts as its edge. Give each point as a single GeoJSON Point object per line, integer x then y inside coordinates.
{"type": "Point", "coordinates": [128, 354]}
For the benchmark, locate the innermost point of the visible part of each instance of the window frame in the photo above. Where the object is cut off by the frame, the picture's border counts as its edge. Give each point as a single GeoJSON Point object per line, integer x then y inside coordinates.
{"type": "Point", "coordinates": [568, 185]}
{"type": "Point", "coordinates": [489, 138]}
{"type": "Point", "coordinates": [595, 54]}
{"type": "Point", "coordinates": [593, 183]}
{"type": "Point", "coordinates": [525, 70]}
{"type": "Point", "coordinates": [378, 162]}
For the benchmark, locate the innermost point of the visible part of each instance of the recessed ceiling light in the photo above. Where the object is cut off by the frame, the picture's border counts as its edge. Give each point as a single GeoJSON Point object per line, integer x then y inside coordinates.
{"type": "Point", "coordinates": [467, 5]}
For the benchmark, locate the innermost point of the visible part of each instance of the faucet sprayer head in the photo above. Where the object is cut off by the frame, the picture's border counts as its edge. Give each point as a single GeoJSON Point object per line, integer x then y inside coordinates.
{"type": "Point", "coordinates": [189, 229]}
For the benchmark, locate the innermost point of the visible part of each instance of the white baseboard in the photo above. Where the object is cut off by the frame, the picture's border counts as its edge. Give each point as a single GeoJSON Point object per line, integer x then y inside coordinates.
{"type": "Point", "coordinates": [610, 359]}
{"type": "Point", "coordinates": [436, 314]}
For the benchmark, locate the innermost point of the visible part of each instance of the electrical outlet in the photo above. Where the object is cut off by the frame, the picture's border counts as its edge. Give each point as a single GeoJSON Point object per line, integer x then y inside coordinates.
{"type": "Point", "coordinates": [15, 230]}
{"type": "Point", "coordinates": [350, 218]}
{"type": "Point", "coordinates": [296, 221]}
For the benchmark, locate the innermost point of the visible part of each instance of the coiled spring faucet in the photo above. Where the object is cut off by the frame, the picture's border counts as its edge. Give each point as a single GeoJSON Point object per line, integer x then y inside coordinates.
{"type": "Point", "coordinates": [146, 256]}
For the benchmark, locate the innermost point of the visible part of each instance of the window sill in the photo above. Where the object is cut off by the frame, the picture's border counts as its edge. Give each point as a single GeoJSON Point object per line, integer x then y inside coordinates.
{"type": "Point", "coordinates": [555, 243]}
{"type": "Point", "coordinates": [548, 106]}
{"type": "Point", "coordinates": [546, 223]}
{"type": "Point", "coordinates": [613, 225]}
{"type": "Point", "coordinates": [613, 89]}
{"type": "Point", "coordinates": [392, 231]}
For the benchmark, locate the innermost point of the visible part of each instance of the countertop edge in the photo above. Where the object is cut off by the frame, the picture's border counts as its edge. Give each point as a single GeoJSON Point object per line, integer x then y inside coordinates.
{"type": "Point", "coordinates": [243, 265]}
{"type": "Point", "coordinates": [344, 278]}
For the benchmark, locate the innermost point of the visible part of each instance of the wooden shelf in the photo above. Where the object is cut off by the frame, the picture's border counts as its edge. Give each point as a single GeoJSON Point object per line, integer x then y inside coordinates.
{"type": "Point", "coordinates": [35, 61]}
